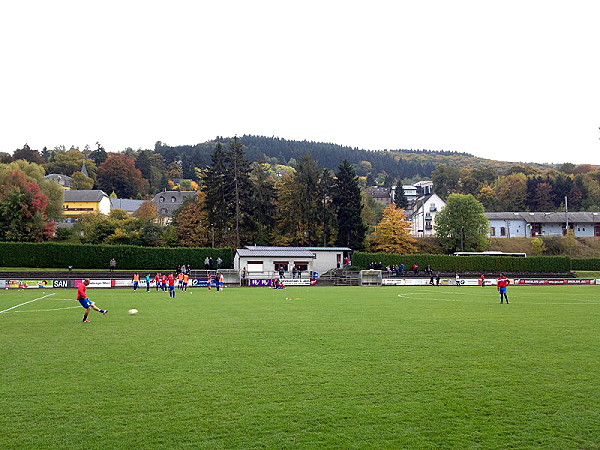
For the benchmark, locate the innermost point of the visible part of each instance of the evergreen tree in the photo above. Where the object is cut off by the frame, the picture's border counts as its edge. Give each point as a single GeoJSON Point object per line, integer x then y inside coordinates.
{"type": "Point", "coordinates": [298, 206]}
{"type": "Point", "coordinates": [263, 200]}
{"type": "Point", "coordinates": [326, 214]}
{"type": "Point", "coordinates": [239, 188]}
{"type": "Point", "coordinates": [347, 201]}
{"type": "Point", "coordinates": [400, 199]}
{"type": "Point", "coordinates": [99, 155]}
{"type": "Point", "coordinates": [214, 184]}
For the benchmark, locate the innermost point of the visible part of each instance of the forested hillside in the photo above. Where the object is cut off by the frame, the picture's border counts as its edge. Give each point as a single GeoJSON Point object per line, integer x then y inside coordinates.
{"type": "Point", "coordinates": [400, 164]}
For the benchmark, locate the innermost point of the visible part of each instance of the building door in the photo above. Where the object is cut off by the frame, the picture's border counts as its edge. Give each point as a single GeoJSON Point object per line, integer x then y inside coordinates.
{"type": "Point", "coordinates": [536, 229]}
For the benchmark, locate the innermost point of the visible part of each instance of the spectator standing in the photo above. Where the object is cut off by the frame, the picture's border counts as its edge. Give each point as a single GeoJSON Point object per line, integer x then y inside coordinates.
{"type": "Point", "coordinates": [244, 276]}
{"type": "Point", "coordinates": [112, 264]}
{"type": "Point", "coordinates": [416, 269]}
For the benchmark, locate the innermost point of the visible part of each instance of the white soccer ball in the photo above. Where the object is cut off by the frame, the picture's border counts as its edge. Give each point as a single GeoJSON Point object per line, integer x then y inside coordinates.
{"type": "Point", "coordinates": [133, 312]}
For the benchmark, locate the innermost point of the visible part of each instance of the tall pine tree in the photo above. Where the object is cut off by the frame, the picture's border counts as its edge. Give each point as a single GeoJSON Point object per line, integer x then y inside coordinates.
{"type": "Point", "coordinates": [239, 189]}
{"type": "Point", "coordinates": [263, 200]}
{"type": "Point", "coordinates": [347, 201]}
{"type": "Point", "coordinates": [215, 184]}
{"type": "Point", "coordinates": [298, 207]}
{"type": "Point", "coordinates": [400, 199]}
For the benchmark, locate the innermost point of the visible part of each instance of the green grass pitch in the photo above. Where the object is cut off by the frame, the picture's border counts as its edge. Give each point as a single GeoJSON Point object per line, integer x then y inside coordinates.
{"type": "Point", "coordinates": [309, 367]}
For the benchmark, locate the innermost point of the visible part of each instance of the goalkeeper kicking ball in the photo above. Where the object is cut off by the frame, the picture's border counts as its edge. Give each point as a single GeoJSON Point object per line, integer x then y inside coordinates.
{"type": "Point", "coordinates": [133, 312]}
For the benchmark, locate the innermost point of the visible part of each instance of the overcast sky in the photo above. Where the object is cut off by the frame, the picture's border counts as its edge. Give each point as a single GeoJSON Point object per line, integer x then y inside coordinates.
{"type": "Point", "coordinates": [510, 80]}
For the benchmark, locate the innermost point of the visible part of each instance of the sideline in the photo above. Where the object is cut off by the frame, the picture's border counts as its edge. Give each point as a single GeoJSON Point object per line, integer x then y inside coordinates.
{"type": "Point", "coordinates": [30, 301]}
{"type": "Point", "coordinates": [46, 310]}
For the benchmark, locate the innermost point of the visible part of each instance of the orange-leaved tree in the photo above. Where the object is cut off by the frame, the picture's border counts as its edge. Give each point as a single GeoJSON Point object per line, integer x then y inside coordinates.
{"type": "Point", "coordinates": [392, 233]}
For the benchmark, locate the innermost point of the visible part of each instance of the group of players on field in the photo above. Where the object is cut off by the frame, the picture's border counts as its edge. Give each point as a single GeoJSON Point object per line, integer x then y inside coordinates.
{"type": "Point", "coordinates": [167, 282]}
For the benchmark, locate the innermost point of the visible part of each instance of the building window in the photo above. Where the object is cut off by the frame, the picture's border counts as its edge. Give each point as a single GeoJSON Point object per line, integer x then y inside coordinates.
{"type": "Point", "coordinates": [255, 266]}
{"type": "Point", "coordinates": [502, 231]}
{"type": "Point", "coordinates": [492, 231]}
{"type": "Point", "coordinates": [161, 199]}
{"type": "Point", "coordinates": [279, 265]}
{"type": "Point", "coordinates": [173, 199]}
{"type": "Point", "coordinates": [301, 265]}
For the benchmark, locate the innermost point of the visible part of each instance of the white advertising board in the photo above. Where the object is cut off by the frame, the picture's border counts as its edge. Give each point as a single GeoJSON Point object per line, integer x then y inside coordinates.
{"type": "Point", "coordinates": [100, 283]}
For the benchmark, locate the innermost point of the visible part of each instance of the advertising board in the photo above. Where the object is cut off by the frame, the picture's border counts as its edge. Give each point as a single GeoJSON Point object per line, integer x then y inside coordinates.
{"type": "Point", "coordinates": [95, 283]}
{"type": "Point", "coordinates": [554, 281]}
{"type": "Point", "coordinates": [28, 284]}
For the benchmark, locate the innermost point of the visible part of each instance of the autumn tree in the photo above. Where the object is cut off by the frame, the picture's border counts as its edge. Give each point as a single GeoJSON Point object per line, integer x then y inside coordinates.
{"type": "Point", "coordinates": [174, 170]}
{"type": "Point", "coordinates": [468, 183]}
{"type": "Point", "coordinates": [392, 234]}
{"type": "Point", "coordinates": [81, 181]}
{"type": "Point", "coordinates": [511, 192]}
{"type": "Point", "coordinates": [119, 174]}
{"type": "Point", "coordinates": [28, 154]}
{"type": "Point", "coordinates": [192, 223]}
{"type": "Point", "coordinates": [446, 180]}
{"type": "Point", "coordinates": [50, 188]}
{"type": "Point", "coordinates": [487, 197]}
{"type": "Point", "coordinates": [146, 211]}
{"type": "Point", "coordinates": [67, 162]}
{"type": "Point", "coordinates": [578, 194]}
{"type": "Point", "coordinates": [23, 206]}
{"type": "Point", "coordinates": [543, 197]}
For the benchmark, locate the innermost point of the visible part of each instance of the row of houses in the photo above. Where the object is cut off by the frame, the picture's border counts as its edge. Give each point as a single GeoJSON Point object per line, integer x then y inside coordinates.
{"type": "Point", "coordinates": [80, 202]}
{"type": "Point", "coordinates": [424, 205]}
{"type": "Point", "coordinates": [421, 214]}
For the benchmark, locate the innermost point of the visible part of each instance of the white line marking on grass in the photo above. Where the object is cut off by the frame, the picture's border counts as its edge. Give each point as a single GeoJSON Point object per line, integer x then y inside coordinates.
{"type": "Point", "coordinates": [45, 310]}
{"type": "Point", "coordinates": [21, 304]}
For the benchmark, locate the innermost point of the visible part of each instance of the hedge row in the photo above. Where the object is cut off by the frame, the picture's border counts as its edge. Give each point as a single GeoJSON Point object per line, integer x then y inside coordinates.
{"type": "Point", "coordinates": [450, 263]}
{"type": "Point", "coordinates": [86, 256]}
{"type": "Point", "coordinates": [585, 264]}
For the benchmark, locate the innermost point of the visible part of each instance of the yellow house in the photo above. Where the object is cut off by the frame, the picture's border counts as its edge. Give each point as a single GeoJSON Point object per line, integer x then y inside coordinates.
{"type": "Point", "coordinates": [82, 202]}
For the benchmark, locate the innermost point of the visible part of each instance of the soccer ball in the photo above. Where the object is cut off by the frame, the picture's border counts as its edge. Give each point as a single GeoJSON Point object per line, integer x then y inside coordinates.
{"type": "Point", "coordinates": [133, 312]}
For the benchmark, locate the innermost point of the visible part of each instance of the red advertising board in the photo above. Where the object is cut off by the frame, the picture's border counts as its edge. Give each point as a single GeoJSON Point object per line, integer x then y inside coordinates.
{"type": "Point", "coordinates": [553, 281]}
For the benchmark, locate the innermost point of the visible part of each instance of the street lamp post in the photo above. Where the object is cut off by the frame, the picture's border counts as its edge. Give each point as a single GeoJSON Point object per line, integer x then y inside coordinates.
{"type": "Point", "coordinates": [566, 217]}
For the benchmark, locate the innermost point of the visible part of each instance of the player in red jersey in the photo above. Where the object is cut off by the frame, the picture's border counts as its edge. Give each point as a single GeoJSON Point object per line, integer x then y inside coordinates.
{"type": "Point", "coordinates": [157, 281]}
{"type": "Point", "coordinates": [503, 283]}
{"type": "Point", "coordinates": [171, 281]}
{"type": "Point", "coordinates": [86, 302]}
